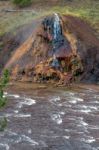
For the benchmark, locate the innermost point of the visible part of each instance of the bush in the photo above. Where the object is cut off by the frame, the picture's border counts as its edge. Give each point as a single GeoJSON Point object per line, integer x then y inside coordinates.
{"type": "Point", "coordinates": [22, 3]}
{"type": "Point", "coordinates": [3, 83]}
{"type": "Point", "coordinates": [3, 124]}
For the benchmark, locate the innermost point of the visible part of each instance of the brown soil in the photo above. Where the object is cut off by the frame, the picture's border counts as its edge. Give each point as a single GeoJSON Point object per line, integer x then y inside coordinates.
{"type": "Point", "coordinates": [12, 40]}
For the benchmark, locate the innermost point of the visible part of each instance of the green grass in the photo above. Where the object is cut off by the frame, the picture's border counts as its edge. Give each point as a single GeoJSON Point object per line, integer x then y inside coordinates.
{"type": "Point", "coordinates": [86, 9]}
{"type": "Point", "coordinates": [22, 3]}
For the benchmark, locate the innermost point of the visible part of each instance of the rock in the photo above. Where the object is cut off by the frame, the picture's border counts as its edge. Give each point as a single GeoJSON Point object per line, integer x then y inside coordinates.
{"type": "Point", "coordinates": [70, 40]}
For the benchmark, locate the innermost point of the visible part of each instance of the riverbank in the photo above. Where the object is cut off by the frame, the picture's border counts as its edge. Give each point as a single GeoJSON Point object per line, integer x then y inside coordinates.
{"type": "Point", "coordinates": [23, 86]}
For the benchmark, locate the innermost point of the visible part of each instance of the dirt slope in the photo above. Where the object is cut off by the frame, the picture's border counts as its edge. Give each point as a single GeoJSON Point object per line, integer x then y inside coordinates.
{"type": "Point", "coordinates": [12, 41]}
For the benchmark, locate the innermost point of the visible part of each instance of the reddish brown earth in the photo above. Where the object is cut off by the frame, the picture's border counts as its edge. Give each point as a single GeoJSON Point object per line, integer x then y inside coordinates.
{"type": "Point", "coordinates": [12, 40]}
{"type": "Point", "coordinates": [28, 55]}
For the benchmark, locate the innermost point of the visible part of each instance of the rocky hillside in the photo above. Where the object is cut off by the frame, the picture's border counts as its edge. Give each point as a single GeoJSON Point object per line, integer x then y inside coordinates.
{"type": "Point", "coordinates": [52, 48]}
{"type": "Point", "coordinates": [60, 48]}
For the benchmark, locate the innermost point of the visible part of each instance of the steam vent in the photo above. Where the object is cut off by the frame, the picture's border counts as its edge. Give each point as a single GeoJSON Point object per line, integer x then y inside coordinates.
{"type": "Point", "coordinates": [60, 49]}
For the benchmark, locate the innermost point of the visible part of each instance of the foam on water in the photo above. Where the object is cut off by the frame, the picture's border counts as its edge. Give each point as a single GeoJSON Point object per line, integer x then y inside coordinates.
{"type": "Point", "coordinates": [96, 96]}
{"type": "Point", "coordinates": [29, 131]}
{"type": "Point", "coordinates": [16, 111]}
{"type": "Point", "coordinates": [88, 139]}
{"type": "Point", "coordinates": [74, 100]}
{"type": "Point", "coordinates": [86, 108]}
{"type": "Point", "coordinates": [65, 94]}
{"type": "Point", "coordinates": [93, 107]}
{"type": "Point", "coordinates": [22, 115]}
{"type": "Point", "coordinates": [70, 130]}
{"type": "Point", "coordinates": [14, 137]}
{"type": "Point", "coordinates": [91, 90]}
{"type": "Point", "coordinates": [57, 118]}
{"type": "Point", "coordinates": [67, 137]}
{"type": "Point", "coordinates": [28, 139]}
{"type": "Point", "coordinates": [55, 99]}
{"type": "Point", "coordinates": [66, 105]}
{"type": "Point", "coordinates": [95, 102]}
{"type": "Point", "coordinates": [80, 126]}
{"type": "Point", "coordinates": [6, 146]}
{"type": "Point", "coordinates": [29, 101]}
{"type": "Point", "coordinates": [79, 121]}
{"type": "Point", "coordinates": [26, 101]}
{"type": "Point", "coordinates": [62, 113]}
{"type": "Point", "coordinates": [91, 127]}
{"type": "Point", "coordinates": [7, 115]}
{"type": "Point", "coordinates": [17, 138]}
{"type": "Point", "coordinates": [14, 95]}
{"type": "Point", "coordinates": [87, 111]}
{"type": "Point", "coordinates": [71, 93]}
{"type": "Point", "coordinates": [78, 99]}
{"type": "Point", "coordinates": [89, 107]}
{"type": "Point", "coordinates": [83, 123]}
{"type": "Point", "coordinates": [11, 95]}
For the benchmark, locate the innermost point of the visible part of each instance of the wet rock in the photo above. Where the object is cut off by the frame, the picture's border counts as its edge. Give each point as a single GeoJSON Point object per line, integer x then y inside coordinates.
{"type": "Point", "coordinates": [68, 39]}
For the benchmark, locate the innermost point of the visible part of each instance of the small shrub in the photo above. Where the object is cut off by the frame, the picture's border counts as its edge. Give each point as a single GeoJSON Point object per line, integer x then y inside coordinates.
{"type": "Point", "coordinates": [22, 3]}
{"type": "Point", "coordinates": [3, 124]}
{"type": "Point", "coordinates": [3, 83]}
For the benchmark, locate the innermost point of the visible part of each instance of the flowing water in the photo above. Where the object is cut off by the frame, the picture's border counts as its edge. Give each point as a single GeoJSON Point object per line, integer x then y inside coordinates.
{"type": "Point", "coordinates": [51, 119]}
{"type": "Point", "coordinates": [60, 43]}
{"type": "Point", "coordinates": [57, 33]}
{"type": "Point", "coordinates": [57, 27]}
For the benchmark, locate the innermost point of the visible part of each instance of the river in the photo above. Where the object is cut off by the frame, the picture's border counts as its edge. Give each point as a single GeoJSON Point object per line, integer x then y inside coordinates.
{"type": "Point", "coordinates": [51, 119]}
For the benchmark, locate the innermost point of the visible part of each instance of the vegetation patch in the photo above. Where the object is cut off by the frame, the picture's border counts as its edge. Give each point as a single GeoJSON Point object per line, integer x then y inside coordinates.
{"type": "Point", "coordinates": [22, 3]}
{"type": "Point", "coordinates": [86, 9]}
{"type": "Point", "coordinates": [3, 83]}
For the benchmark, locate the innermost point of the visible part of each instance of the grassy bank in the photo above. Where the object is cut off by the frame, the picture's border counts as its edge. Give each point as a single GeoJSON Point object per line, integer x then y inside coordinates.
{"type": "Point", "coordinates": [87, 9]}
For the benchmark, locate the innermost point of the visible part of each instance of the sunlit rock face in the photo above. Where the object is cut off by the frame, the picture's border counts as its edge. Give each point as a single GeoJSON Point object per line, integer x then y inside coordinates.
{"type": "Point", "coordinates": [62, 37]}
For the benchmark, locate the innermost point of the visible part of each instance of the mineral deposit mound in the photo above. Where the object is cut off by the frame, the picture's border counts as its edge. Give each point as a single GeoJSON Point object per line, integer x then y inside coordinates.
{"type": "Point", "coordinates": [61, 49]}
